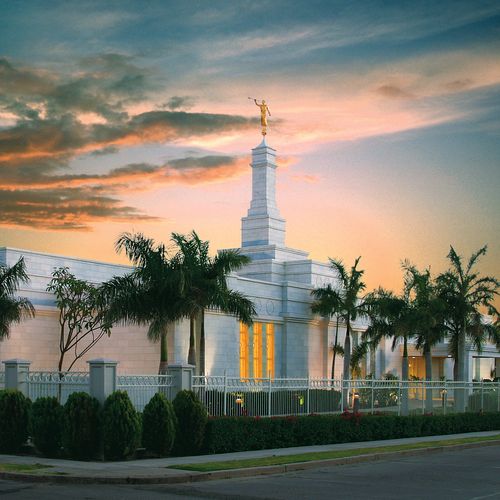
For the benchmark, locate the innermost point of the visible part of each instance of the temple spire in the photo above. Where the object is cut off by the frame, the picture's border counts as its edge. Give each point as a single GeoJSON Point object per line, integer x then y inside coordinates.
{"type": "Point", "coordinates": [263, 224]}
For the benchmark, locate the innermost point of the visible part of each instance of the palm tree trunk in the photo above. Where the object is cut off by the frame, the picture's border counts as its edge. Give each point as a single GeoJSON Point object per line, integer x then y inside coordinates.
{"type": "Point", "coordinates": [347, 365]}
{"type": "Point", "coordinates": [428, 378]}
{"type": "Point", "coordinates": [334, 350]}
{"type": "Point", "coordinates": [460, 394]}
{"type": "Point", "coordinates": [192, 341]}
{"type": "Point", "coordinates": [202, 342]}
{"type": "Point", "coordinates": [163, 352]}
{"type": "Point", "coordinates": [404, 378]}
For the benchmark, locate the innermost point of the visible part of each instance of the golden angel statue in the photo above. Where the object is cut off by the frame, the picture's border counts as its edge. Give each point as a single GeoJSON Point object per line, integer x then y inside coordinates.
{"type": "Point", "coordinates": [264, 111]}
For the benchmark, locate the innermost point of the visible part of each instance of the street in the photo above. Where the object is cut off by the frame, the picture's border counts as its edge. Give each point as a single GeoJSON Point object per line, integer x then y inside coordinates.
{"type": "Point", "coordinates": [472, 474]}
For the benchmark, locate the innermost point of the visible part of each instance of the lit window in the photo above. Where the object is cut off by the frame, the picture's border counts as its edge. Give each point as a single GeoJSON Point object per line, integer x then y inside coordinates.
{"type": "Point", "coordinates": [270, 349]}
{"type": "Point", "coordinates": [243, 350]}
{"type": "Point", "coordinates": [257, 350]}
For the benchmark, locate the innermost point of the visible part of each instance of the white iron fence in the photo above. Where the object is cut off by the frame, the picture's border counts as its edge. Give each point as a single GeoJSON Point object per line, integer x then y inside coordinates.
{"type": "Point", "coordinates": [280, 397]}
{"type": "Point", "coordinates": [233, 396]}
{"type": "Point", "coordinates": [56, 384]}
{"type": "Point", "coordinates": [141, 388]}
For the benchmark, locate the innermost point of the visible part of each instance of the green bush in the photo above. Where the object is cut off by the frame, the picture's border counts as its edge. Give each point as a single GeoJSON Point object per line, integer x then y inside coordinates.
{"type": "Point", "coordinates": [14, 420]}
{"type": "Point", "coordinates": [191, 422]}
{"type": "Point", "coordinates": [47, 420]}
{"type": "Point", "coordinates": [82, 426]}
{"type": "Point", "coordinates": [158, 425]}
{"type": "Point", "coordinates": [121, 427]}
{"type": "Point", "coordinates": [228, 434]}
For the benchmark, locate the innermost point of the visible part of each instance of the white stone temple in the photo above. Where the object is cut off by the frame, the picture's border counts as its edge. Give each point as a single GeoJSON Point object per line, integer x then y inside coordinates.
{"type": "Point", "coordinates": [286, 340]}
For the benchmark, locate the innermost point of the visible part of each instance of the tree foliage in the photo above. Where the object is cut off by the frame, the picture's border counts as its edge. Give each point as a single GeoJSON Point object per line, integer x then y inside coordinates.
{"type": "Point", "coordinates": [205, 280]}
{"type": "Point", "coordinates": [82, 314]}
{"type": "Point", "coordinates": [13, 309]}
{"type": "Point", "coordinates": [344, 301]}
{"type": "Point", "coordinates": [467, 295]}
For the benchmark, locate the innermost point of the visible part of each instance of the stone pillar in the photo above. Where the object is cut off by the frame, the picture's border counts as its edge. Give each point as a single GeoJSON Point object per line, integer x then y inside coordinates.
{"type": "Point", "coordinates": [182, 378]}
{"type": "Point", "coordinates": [102, 378]}
{"type": "Point", "coordinates": [16, 375]}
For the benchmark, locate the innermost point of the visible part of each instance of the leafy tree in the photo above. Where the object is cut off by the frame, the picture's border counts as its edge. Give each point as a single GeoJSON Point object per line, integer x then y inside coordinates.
{"type": "Point", "coordinates": [82, 315]}
{"type": "Point", "coordinates": [205, 280]}
{"type": "Point", "coordinates": [466, 292]}
{"type": "Point", "coordinates": [13, 309]}
{"type": "Point", "coordinates": [152, 294]}
{"type": "Point", "coordinates": [343, 301]}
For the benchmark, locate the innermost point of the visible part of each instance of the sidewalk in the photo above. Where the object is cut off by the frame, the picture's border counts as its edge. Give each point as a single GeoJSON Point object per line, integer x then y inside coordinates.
{"type": "Point", "coordinates": [157, 471]}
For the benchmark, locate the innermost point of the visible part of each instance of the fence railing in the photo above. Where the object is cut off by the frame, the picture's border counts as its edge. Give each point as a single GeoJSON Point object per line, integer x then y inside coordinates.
{"type": "Point", "coordinates": [141, 388]}
{"type": "Point", "coordinates": [280, 397]}
{"type": "Point", "coordinates": [234, 396]}
{"type": "Point", "coordinates": [56, 384]}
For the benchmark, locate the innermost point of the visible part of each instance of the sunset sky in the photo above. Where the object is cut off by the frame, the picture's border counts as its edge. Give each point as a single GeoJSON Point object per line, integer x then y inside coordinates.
{"type": "Point", "coordinates": [133, 116]}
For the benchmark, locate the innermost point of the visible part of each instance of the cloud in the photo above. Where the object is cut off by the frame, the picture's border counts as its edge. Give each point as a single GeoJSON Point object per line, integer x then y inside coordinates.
{"type": "Point", "coordinates": [61, 117]}
{"type": "Point", "coordinates": [179, 102]}
{"type": "Point", "coordinates": [62, 209]}
{"type": "Point", "coordinates": [394, 92]}
{"type": "Point", "coordinates": [308, 178]}
{"type": "Point", "coordinates": [32, 196]}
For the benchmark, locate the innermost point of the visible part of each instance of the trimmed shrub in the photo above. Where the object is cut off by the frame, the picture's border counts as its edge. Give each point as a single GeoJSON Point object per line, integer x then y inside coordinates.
{"type": "Point", "coordinates": [47, 420]}
{"type": "Point", "coordinates": [228, 434]}
{"type": "Point", "coordinates": [158, 425]}
{"type": "Point", "coordinates": [191, 422]}
{"type": "Point", "coordinates": [14, 420]}
{"type": "Point", "coordinates": [82, 426]}
{"type": "Point", "coordinates": [121, 427]}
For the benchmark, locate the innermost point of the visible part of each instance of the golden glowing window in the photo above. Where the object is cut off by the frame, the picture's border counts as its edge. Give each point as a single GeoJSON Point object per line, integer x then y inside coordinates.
{"type": "Point", "coordinates": [257, 350]}
{"type": "Point", "coordinates": [243, 350]}
{"type": "Point", "coordinates": [270, 349]}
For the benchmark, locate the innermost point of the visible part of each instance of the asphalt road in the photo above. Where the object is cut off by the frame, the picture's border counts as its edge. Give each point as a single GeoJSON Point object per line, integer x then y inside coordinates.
{"type": "Point", "coordinates": [472, 474]}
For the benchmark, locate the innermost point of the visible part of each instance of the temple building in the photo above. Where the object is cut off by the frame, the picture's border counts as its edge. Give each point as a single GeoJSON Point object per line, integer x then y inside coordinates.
{"type": "Point", "coordinates": [285, 340]}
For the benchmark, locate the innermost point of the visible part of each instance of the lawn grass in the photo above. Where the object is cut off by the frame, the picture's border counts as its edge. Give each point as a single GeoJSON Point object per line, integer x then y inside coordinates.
{"type": "Point", "coordinates": [323, 455]}
{"type": "Point", "coordinates": [22, 467]}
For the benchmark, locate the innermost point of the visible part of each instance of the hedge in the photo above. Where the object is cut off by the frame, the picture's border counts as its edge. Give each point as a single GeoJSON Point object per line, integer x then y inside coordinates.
{"type": "Point", "coordinates": [229, 434]}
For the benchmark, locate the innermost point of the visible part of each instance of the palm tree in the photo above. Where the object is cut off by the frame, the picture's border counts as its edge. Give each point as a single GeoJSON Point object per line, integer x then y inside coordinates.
{"type": "Point", "coordinates": [393, 316]}
{"type": "Point", "coordinates": [151, 294]}
{"type": "Point", "coordinates": [206, 287]}
{"type": "Point", "coordinates": [13, 309]}
{"type": "Point", "coordinates": [343, 301]}
{"type": "Point", "coordinates": [429, 321]}
{"type": "Point", "coordinates": [465, 292]}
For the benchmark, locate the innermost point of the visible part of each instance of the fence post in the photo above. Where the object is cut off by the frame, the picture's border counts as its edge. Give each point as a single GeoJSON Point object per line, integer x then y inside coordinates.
{"type": "Point", "coordinates": [373, 393]}
{"type": "Point", "coordinates": [225, 393]}
{"type": "Point", "coordinates": [424, 394]}
{"type": "Point", "coordinates": [16, 375]}
{"type": "Point", "coordinates": [482, 396]}
{"type": "Point", "coordinates": [342, 394]}
{"type": "Point", "coordinates": [308, 394]}
{"type": "Point", "coordinates": [182, 377]}
{"type": "Point", "coordinates": [445, 398]}
{"type": "Point", "coordinates": [498, 396]}
{"type": "Point", "coordinates": [269, 397]}
{"type": "Point", "coordinates": [400, 395]}
{"type": "Point", "coordinates": [102, 378]}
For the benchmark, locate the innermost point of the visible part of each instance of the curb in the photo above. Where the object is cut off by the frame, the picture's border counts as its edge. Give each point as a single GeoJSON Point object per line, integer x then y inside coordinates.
{"type": "Point", "coordinates": [194, 477]}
